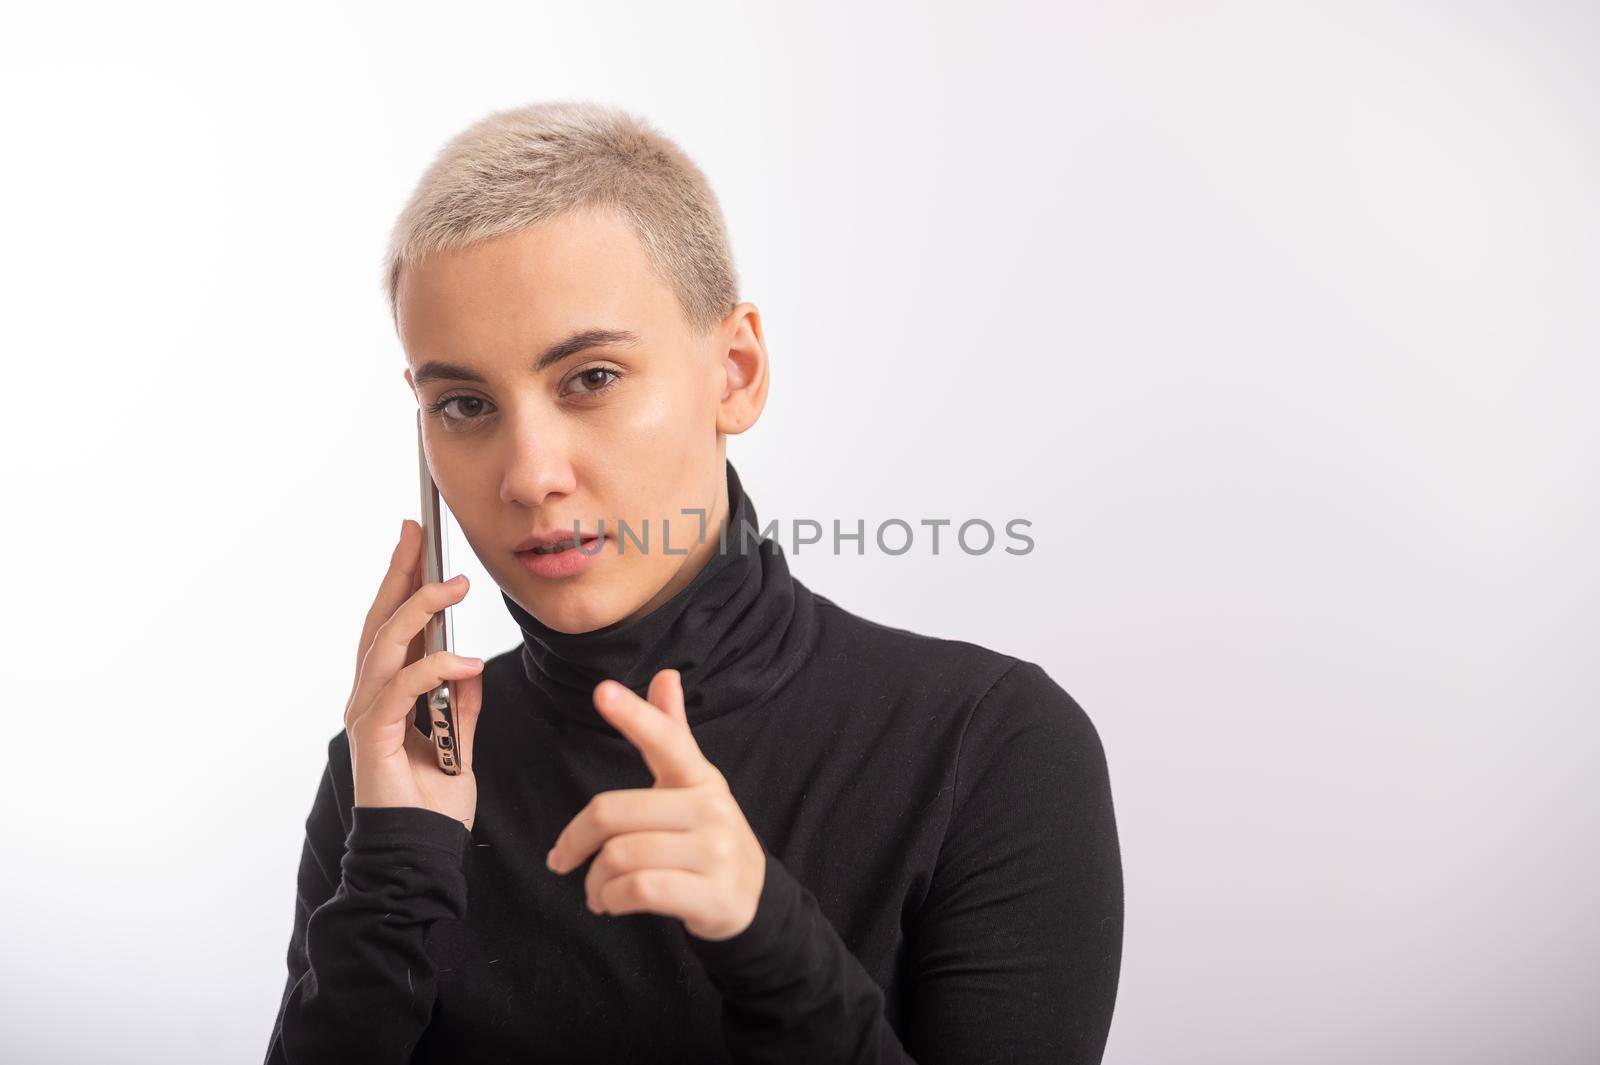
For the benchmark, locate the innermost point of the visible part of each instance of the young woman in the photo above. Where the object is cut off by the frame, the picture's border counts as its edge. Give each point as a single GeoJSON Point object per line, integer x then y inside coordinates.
{"type": "Point", "coordinates": [706, 814]}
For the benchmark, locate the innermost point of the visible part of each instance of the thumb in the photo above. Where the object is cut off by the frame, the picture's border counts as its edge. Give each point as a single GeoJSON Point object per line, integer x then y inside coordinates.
{"type": "Point", "coordinates": [469, 702]}
{"type": "Point", "coordinates": [666, 693]}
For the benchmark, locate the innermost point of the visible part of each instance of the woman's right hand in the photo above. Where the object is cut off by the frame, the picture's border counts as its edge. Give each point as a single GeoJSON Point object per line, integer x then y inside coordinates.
{"type": "Point", "coordinates": [393, 763]}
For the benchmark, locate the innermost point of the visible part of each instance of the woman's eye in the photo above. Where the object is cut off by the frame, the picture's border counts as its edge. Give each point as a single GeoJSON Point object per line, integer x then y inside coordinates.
{"type": "Point", "coordinates": [471, 409]}
{"type": "Point", "coordinates": [594, 380]}
{"type": "Point", "coordinates": [457, 411]}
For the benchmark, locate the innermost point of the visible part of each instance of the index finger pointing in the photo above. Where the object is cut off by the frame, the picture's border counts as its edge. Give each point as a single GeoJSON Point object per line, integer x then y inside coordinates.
{"type": "Point", "coordinates": [659, 733]}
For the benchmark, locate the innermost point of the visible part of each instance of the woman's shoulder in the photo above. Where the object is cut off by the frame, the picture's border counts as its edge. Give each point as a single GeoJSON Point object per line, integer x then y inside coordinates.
{"type": "Point", "coordinates": [1007, 691]}
{"type": "Point", "coordinates": [991, 717]}
{"type": "Point", "coordinates": [896, 644]}
{"type": "Point", "coordinates": [339, 771]}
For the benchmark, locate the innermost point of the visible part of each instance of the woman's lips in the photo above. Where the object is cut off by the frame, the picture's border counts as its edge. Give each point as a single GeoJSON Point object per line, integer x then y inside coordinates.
{"type": "Point", "coordinates": [564, 563]}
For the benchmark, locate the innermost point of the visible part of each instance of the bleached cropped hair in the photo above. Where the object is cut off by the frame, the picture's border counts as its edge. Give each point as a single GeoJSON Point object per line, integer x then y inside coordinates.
{"type": "Point", "coordinates": [517, 168]}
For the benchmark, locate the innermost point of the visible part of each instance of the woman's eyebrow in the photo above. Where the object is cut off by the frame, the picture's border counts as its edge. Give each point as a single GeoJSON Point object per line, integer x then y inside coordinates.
{"type": "Point", "coordinates": [581, 341]}
{"type": "Point", "coordinates": [436, 370]}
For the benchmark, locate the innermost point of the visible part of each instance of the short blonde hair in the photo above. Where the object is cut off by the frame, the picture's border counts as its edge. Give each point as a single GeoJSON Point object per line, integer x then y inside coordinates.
{"type": "Point", "coordinates": [517, 168]}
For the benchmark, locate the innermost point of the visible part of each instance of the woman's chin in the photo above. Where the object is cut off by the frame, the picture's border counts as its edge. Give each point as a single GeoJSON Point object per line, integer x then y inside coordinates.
{"type": "Point", "coordinates": [572, 606]}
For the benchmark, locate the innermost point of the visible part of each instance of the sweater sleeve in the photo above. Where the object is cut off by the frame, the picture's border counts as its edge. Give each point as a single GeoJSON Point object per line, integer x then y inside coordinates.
{"type": "Point", "coordinates": [1015, 953]}
{"type": "Point", "coordinates": [791, 989]}
{"type": "Point", "coordinates": [361, 984]}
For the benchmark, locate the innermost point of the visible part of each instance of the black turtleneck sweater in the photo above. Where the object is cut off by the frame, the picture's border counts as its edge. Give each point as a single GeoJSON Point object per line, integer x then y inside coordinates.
{"type": "Point", "coordinates": [943, 880]}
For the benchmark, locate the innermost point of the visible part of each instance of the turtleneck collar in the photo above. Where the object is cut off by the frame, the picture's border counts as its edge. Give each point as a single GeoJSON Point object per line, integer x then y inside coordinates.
{"type": "Point", "coordinates": [736, 632]}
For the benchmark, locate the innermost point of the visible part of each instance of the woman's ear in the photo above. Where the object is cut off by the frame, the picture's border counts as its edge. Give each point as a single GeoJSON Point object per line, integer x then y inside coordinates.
{"type": "Point", "coordinates": [744, 364]}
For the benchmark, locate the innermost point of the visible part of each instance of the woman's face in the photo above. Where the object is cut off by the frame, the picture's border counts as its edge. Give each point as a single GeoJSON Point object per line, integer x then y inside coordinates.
{"type": "Point", "coordinates": [526, 435]}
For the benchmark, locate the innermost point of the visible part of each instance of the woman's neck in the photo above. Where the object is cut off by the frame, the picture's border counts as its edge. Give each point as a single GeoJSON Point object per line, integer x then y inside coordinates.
{"type": "Point", "coordinates": [700, 552]}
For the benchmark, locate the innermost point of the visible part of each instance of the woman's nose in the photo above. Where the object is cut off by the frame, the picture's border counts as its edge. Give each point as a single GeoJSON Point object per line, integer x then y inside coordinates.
{"type": "Point", "coordinates": [535, 465]}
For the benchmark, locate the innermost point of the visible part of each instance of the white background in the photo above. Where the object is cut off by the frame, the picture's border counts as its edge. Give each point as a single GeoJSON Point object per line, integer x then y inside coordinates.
{"type": "Point", "coordinates": [1276, 320]}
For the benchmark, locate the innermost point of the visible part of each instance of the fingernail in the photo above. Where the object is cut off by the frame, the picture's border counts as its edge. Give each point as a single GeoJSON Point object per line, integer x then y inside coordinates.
{"type": "Point", "coordinates": [550, 859]}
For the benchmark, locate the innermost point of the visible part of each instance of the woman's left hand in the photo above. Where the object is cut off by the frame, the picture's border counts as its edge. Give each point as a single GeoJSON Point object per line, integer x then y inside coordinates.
{"type": "Point", "coordinates": [681, 848]}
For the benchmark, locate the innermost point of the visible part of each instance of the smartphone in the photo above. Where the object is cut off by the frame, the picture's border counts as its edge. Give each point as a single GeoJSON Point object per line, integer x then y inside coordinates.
{"type": "Point", "coordinates": [436, 709]}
